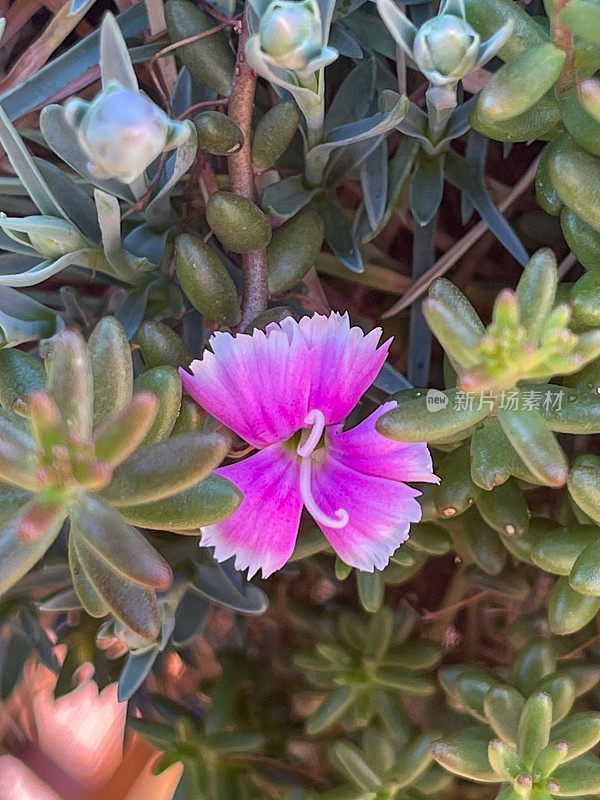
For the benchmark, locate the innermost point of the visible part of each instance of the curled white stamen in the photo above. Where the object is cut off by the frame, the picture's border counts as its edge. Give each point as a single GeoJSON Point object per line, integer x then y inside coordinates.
{"type": "Point", "coordinates": [341, 515]}
{"type": "Point", "coordinates": [315, 418]}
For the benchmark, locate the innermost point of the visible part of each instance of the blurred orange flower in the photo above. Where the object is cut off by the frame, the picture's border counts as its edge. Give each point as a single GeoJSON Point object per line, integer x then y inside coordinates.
{"type": "Point", "coordinates": [74, 747]}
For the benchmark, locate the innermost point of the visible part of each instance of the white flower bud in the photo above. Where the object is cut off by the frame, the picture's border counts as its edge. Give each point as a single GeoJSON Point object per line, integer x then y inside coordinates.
{"type": "Point", "coordinates": [446, 46]}
{"type": "Point", "coordinates": [122, 132]}
{"type": "Point", "coordinates": [290, 33]}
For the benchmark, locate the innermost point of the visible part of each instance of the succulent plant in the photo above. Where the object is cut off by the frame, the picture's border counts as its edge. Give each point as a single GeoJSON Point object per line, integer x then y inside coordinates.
{"type": "Point", "coordinates": [212, 752]}
{"type": "Point", "coordinates": [545, 90]}
{"type": "Point", "coordinates": [501, 375]}
{"type": "Point", "coordinates": [571, 552]}
{"type": "Point", "coordinates": [227, 173]}
{"type": "Point", "coordinates": [383, 769]}
{"type": "Point", "coordinates": [365, 668]}
{"type": "Point", "coordinates": [82, 446]}
{"type": "Point", "coordinates": [531, 740]}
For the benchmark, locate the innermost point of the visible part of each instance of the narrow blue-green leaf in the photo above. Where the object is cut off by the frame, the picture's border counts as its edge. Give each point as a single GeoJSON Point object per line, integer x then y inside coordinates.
{"type": "Point", "coordinates": [465, 178]}
{"type": "Point", "coordinates": [115, 62]}
{"type": "Point", "coordinates": [338, 233]}
{"type": "Point", "coordinates": [419, 342]}
{"type": "Point", "coordinates": [373, 180]}
{"type": "Point", "coordinates": [57, 73]}
{"type": "Point", "coordinates": [134, 673]}
{"type": "Point", "coordinates": [26, 169]}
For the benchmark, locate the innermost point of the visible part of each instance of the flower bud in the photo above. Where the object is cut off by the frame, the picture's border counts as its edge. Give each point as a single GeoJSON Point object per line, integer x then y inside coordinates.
{"type": "Point", "coordinates": [51, 237]}
{"type": "Point", "coordinates": [446, 47]}
{"type": "Point", "coordinates": [290, 33]}
{"type": "Point", "coordinates": [122, 131]}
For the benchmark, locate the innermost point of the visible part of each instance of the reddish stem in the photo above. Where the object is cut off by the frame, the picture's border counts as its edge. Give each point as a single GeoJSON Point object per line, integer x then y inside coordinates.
{"type": "Point", "coordinates": [241, 103]}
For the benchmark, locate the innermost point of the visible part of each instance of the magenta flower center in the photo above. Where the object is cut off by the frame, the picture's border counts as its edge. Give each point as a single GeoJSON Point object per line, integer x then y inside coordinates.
{"type": "Point", "coordinates": [306, 450]}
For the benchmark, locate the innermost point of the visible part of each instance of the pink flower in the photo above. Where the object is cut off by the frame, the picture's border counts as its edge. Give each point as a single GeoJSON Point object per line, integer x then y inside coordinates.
{"type": "Point", "coordinates": [287, 392]}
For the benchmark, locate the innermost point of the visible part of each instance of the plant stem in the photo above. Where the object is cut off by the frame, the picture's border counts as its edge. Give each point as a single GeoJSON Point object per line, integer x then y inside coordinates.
{"type": "Point", "coordinates": [563, 38]}
{"type": "Point", "coordinates": [441, 102]}
{"type": "Point", "coordinates": [241, 103]}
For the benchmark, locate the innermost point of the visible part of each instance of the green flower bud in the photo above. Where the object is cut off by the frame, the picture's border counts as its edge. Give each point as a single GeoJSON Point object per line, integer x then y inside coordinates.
{"type": "Point", "coordinates": [51, 237]}
{"type": "Point", "coordinates": [446, 47]}
{"type": "Point", "coordinates": [290, 33]}
{"type": "Point", "coordinates": [121, 131]}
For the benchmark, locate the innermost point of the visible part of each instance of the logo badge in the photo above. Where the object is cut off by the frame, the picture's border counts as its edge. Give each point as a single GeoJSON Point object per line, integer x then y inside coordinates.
{"type": "Point", "coordinates": [436, 400]}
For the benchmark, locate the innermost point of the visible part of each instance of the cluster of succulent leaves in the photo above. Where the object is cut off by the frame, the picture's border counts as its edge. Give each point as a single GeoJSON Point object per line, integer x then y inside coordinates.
{"type": "Point", "coordinates": [530, 738]}
{"type": "Point", "coordinates": [106, 467]}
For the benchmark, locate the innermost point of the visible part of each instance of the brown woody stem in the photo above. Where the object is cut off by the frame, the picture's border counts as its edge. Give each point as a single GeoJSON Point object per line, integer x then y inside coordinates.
{"type": "Point", "coordinates": [241, 103]}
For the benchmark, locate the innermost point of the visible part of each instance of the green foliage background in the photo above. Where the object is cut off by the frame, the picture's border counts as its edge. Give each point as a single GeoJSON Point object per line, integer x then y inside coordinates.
{"type": "Point", "coordinates": [470, 666]}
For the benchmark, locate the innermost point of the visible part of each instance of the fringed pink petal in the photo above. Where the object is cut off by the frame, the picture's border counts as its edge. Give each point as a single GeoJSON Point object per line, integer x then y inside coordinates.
{"type": "Point", "coordinates": [364, 449]}
{"type": "Point", "coordinates": [345, 362]}
{"type": "Point", "coordinates": [263, 385]}
{"type": "Point", "coordinates": [380, 512]}
{"type": "Point", "coordinates": [257, 385]}
{"type": "Point", "coordinates": [262, 532]}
